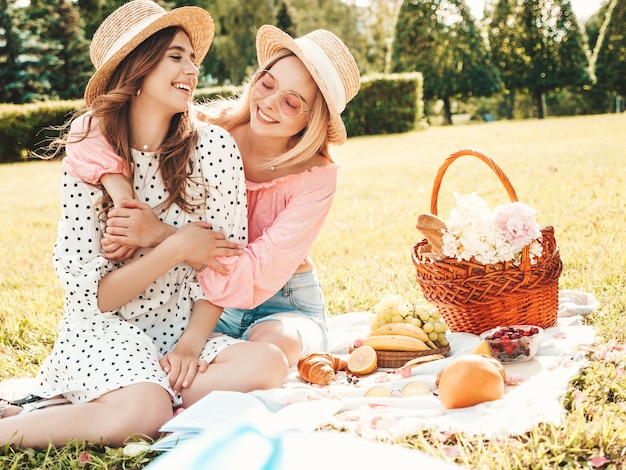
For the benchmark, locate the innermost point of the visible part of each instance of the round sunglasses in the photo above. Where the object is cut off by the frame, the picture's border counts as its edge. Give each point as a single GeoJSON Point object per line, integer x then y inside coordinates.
{"type": "Point", "coordinates": [291, 103]}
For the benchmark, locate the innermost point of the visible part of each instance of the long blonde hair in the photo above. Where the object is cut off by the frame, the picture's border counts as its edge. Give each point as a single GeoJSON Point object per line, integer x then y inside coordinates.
{"type": "Point", "coordinates": [233, 112]}
{"type": "Point", "coordinates": [113, 109]}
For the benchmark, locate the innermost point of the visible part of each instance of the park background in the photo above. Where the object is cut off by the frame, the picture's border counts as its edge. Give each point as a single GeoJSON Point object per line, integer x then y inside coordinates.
{"type": "Point", "coordinates": [568, 165]}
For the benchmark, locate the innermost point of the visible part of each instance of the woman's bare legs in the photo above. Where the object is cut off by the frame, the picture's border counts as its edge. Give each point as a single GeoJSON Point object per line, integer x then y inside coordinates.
{"type": "Point", "coordinates": [242, 367]}
{"type": "Point", "coordinates": [139, 409]}
{"type": "Point", "coordinates": [276, 332]}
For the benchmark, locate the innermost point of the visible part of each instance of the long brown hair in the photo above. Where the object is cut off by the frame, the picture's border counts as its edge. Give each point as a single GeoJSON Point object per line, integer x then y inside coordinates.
{"type": "Point", "coordinates": [113, 110]}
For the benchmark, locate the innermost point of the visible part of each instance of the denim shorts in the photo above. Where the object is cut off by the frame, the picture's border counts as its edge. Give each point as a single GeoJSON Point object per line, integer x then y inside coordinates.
{"type": "Point", "coordinates": [299, 305]}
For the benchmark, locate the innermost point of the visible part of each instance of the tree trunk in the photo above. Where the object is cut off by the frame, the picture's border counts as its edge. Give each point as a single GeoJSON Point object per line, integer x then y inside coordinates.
{"type": "Point", "coordinates": [540, 103]}
{"type": "Point", "coordinates": [594, 55]}
{"type": "Point", "coordinates": [447, 112]}
{"type": "Point", "coordinates": [509, 104]}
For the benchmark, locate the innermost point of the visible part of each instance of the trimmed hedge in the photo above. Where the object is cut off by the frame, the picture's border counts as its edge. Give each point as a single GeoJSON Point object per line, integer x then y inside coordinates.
{"type": "Point", "coordinates": [26, 127]}
{"type": "Point", "coordinates": [385, 104]}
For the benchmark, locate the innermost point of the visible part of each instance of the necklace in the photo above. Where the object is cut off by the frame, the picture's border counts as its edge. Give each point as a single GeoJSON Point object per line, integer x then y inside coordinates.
{"type": "Point", "coordinates": [272, 168]}
{"type": "Point", "coordinates": [145, 147]}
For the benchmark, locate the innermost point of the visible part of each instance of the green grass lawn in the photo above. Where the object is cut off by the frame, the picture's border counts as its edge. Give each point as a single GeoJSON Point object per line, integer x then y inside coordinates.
{"type": "Point", "coordinates": [570, 170]}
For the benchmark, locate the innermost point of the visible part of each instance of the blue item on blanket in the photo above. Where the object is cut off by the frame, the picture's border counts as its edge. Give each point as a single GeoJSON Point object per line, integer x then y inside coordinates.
{"type": "Point", "coordinates": [248, 447]}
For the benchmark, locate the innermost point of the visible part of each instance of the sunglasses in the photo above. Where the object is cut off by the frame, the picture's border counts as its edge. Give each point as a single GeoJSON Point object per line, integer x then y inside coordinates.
{"type": "Point", "coordinates": [291, 103]}
{"type": "Point", "coordinates": [411, 389]}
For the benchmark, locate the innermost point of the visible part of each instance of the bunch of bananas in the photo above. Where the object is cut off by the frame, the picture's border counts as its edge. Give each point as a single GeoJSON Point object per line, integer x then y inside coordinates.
{"type": "Point", "coordinates": [399, 336]}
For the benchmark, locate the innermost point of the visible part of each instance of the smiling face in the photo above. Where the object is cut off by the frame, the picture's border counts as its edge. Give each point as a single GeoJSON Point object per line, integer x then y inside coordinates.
{"type": "Point", "coordinates": [169, 87]}
{"type": "Point", "coordinates": [266, 115]}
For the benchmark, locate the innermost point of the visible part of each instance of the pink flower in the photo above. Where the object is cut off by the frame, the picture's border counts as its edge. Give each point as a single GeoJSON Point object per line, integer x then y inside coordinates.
{"type": "Point", "coordinates": [517, 221]}
{"type": "Point", "coordinates": [599, 461]}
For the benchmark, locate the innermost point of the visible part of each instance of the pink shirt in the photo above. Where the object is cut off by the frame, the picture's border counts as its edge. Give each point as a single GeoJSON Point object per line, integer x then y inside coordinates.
{"type": "Point", "coordinates": [285, 217]}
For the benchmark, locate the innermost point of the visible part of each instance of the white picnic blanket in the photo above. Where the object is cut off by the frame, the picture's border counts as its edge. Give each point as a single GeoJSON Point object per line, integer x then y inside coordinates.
{"type": "Point", "coordinates": [532, 396]}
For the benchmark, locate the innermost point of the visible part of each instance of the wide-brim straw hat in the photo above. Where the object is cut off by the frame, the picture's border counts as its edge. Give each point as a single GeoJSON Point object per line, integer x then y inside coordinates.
{"type": "Point", "coordinates": [329, 62]}
{"type": "Point", "coordinates": [128, 26]}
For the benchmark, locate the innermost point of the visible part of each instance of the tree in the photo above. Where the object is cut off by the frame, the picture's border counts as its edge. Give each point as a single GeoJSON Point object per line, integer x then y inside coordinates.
{"type": "Point", "coordinates": [538, 47]}
{"type": "Point", "coordinates": [10, 51]}
{"type": "Point", "coordinates": [284, 21]}
{"type": "Point", "coordinates": [24, 55]}
{"type": "Point", "coordinates": [63, 29]}
{"type": "Point", "coordinates": [233, 54]}
{"type": "Point", "coordinates": [342, 17]}
{"type": "Point", "coordinates": [379, 19]}
{"type": "Point", "coordinates": [611, 60]}
{"type": "Point", "coordinates": [440, 39]}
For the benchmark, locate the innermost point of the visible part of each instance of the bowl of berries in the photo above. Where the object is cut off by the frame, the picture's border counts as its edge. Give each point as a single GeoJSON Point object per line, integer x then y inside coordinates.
{"type": "Point", "coordinates": [516, 343]}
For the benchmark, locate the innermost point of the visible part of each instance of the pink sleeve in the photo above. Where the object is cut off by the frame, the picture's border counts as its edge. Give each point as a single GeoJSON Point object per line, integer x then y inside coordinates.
{"type": "Point", "coordinates": [91, 157]}
{"type": "Point", "coordinates": [269, 261]}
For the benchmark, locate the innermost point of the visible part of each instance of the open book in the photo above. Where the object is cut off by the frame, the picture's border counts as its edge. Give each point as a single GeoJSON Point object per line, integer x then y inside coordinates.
{"type": "Point", "coordinates": [219, 410]}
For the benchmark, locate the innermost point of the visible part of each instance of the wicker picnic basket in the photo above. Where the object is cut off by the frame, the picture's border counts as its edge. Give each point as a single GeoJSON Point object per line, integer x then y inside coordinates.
{"type": "Point", "coordinates": [395, 359]}
{"type": "Point", "coordinates": [473, 297]}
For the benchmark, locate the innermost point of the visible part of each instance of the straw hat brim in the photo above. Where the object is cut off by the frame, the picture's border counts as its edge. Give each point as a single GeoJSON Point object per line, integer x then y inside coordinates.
{"type": "Point", "coordinates": [270, 40]}
{"type": "Point", "coordinates": [196, 21]}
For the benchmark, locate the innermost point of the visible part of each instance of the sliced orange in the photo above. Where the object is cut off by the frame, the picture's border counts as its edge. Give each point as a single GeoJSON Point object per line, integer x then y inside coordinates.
{"type": "Point", "coordinates": [362, 360]}
{"type": "Point", "coordinates": [482, 348]}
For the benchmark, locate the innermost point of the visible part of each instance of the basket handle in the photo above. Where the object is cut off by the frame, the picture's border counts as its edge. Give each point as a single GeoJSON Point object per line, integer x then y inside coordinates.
{"type": "Point", "coordinates": [525, 261]}
{"type": "Point", "coordinates": [460, 153]}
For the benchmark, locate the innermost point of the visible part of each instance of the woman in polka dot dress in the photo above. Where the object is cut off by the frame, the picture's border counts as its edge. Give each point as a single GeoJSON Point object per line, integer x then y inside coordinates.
{"type": "Point", "coordinates": [123, 323]}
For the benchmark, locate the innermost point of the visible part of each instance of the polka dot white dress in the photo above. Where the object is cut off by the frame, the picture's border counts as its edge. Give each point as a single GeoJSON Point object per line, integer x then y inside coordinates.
{"type": "Point", "coordinates": [97, 352]}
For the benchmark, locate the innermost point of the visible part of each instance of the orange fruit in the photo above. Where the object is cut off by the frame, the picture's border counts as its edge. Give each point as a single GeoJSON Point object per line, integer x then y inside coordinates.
{"type": "Point", "coordinates": [363, 360]}
{"type": "Point", "coordinates": [482, 348]}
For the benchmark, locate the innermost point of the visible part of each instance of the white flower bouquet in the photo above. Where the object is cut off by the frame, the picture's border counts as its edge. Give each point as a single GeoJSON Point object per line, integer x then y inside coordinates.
{"type": "Point", "coordinates": [474, 231]}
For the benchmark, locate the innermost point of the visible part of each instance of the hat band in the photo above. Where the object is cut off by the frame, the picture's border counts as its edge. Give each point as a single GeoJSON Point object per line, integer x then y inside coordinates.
{"type": "Point", "coordinates": [326, 69]}
{"type": "Point", "coordinates": [130, 34]}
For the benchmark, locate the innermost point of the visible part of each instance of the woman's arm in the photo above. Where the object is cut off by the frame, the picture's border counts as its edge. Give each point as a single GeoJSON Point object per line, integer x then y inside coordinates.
{"type": "Point", "coordinates": [90, 156]}
{"type": "Point", "coordinates": [187, 245]}
{"type": "Point", "coordinates": [269, 261]}
{"type": "Point", "coordinates": [265, 265]}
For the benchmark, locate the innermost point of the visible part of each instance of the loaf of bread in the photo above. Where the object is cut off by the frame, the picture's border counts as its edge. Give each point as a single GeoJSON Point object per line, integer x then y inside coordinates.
{"type": "Point", "coordinates": [320, 368]}
{"type": "Point", "coordinates": [471, 379]}
{"type": "Point", "coordinates": [432, 227]}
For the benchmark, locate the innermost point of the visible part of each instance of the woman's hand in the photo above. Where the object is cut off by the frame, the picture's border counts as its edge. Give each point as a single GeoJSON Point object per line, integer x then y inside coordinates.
{"type": "Point", "coordinates": [134, 224]}
{"type": "Point", "coordinates": [182, 365]}
{"type": "Point", "coordinates": [199, 246]}
{"type": "Point", "coordinates": [115, 251]}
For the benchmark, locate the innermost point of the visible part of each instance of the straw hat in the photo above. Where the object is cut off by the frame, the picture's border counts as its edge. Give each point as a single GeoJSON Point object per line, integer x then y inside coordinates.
{"type": "Point", "coordinates": [131, 24]}
{"type": "Point", "coordinates": [329, 62]}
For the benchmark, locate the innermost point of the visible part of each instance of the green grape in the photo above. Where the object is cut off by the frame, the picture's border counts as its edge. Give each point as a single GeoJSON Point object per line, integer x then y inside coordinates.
{"type": "Point", "coordinates": [423, 315]}
{"type": "Point", "coordinates": [397, 318]}
{"type": "Point", "coordinates": [415, 321]}
{"type": "Point", "coordinates": [433, 335]}
{"type": "Point", "coordinates": [428, 327]}
{"type": "Point", "coordinates": [441, 337]}
{"type": "Point", "coordinates": [405, 309]}
{"type": "Point", "coordinates": [438, 327]}
{"type": "Point", "coordinates": [443, 342]}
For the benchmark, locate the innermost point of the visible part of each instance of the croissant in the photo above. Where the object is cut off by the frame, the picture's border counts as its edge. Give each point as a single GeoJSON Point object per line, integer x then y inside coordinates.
{"type": "Point", "coordinates": [320, 368]}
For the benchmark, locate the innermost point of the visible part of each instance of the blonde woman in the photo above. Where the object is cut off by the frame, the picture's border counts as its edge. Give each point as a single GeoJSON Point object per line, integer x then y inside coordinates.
{"type": "Point", "coordinates": [284, 121]}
